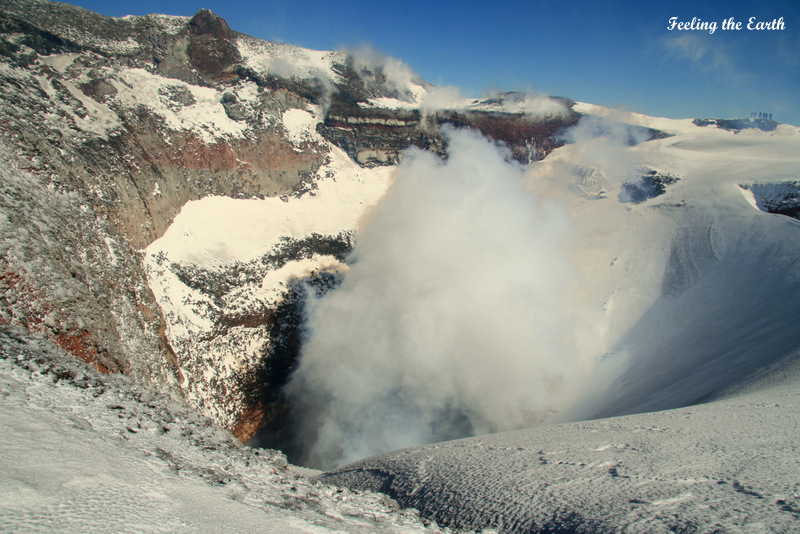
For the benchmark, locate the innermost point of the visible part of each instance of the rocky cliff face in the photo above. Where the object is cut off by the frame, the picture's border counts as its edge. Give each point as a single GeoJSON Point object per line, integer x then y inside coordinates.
{"type": "Point", "coordinates": [109, 127]}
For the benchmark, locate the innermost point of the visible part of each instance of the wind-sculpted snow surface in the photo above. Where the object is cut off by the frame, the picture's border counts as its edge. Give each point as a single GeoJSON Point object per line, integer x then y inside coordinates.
{"type": "Point", "coordinates": [726, 466]}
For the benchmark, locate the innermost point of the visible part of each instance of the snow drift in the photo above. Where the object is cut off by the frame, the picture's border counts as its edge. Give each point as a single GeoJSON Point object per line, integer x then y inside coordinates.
{"type": "Point", "coordinates": [89, 452]}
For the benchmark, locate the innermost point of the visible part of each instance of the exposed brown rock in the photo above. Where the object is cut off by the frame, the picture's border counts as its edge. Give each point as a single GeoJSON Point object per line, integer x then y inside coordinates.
{"type": "Point", "coordinates": [100, 90]}
{"type": "Point", "coordinates": [189, 168]}
{"type": "Point", "coordinates": [81, 344]}
{"type": "Point", "coordinates": [21, 302]}
{"type": "Point", "coordinates": [249, 421]}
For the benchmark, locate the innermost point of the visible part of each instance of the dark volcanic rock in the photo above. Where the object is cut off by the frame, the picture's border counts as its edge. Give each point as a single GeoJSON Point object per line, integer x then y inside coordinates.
{"type": "Point", "coordinates": [734, 125]}
{"type": "Point", "coordinates": [780, 198]}
{"type": "Point", "coordinates": [211, 49]}
{"type": "Point", "coordinates": [98, 89]}
{"type": "Point", "coordinates": [651, 184]}
{"type": "Point", "coordinates": [210, 24]}
{"type": "Point", "coordinates": [528, 138]}
{"type": "Point", "coordinates": [378, 136]}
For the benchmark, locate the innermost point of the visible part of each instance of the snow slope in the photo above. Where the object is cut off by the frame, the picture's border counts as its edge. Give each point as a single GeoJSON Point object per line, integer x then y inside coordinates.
{"type": "Point", "coordinates": [85, 452]}
{"type": "Point", "coordinates": [700, 289]}
{"type": "Point", "coordinates": [726, 466]}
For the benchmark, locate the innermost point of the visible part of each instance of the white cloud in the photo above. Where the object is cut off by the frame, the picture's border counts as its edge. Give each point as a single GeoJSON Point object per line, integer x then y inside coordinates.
{"type": "Point", "coordinates": [706, 51]}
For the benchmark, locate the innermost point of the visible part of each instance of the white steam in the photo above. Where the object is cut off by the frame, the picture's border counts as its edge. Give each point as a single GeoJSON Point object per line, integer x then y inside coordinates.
{"type": "Point", "coordinates": [443, 97]}
{"type": "Point", "coordinates": [455, 317]}
{"type": "Point", "coordinates": [379, 71]}
{"type": "Point", "coordinates": [390, 76]}
{"type": "Point", "coordinates": [527, 102]}
{"type": "Point", "coordinates": [316, 74]}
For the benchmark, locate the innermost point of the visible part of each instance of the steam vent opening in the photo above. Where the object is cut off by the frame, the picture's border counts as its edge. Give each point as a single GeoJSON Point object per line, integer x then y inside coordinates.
{"type": "Point", "coordinates": [287, 431]}
{"type": "Point", "coordinates": [282, 431]}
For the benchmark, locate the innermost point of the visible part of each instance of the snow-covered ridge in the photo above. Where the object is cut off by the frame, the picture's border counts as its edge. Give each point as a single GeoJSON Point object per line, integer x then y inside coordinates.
{"type": "Point", "coordinates": [638, 119]}
{"type": "Point", "coordinates": [285, 61]}
{"type": "Point", "coordinates": [87, 29]}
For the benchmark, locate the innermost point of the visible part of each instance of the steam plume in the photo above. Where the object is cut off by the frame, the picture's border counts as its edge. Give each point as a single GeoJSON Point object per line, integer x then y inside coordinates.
{"type": "Point", "coordinates": [451, 319]}
{"type": "Point", "coordinates": [482, 298]}
{"type": "Point", "coordinates": [379, 72]}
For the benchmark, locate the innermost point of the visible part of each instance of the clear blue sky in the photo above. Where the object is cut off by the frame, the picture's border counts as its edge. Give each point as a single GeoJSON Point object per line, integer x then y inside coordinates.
{"type": "Point", "coordinates": [617, 53]}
